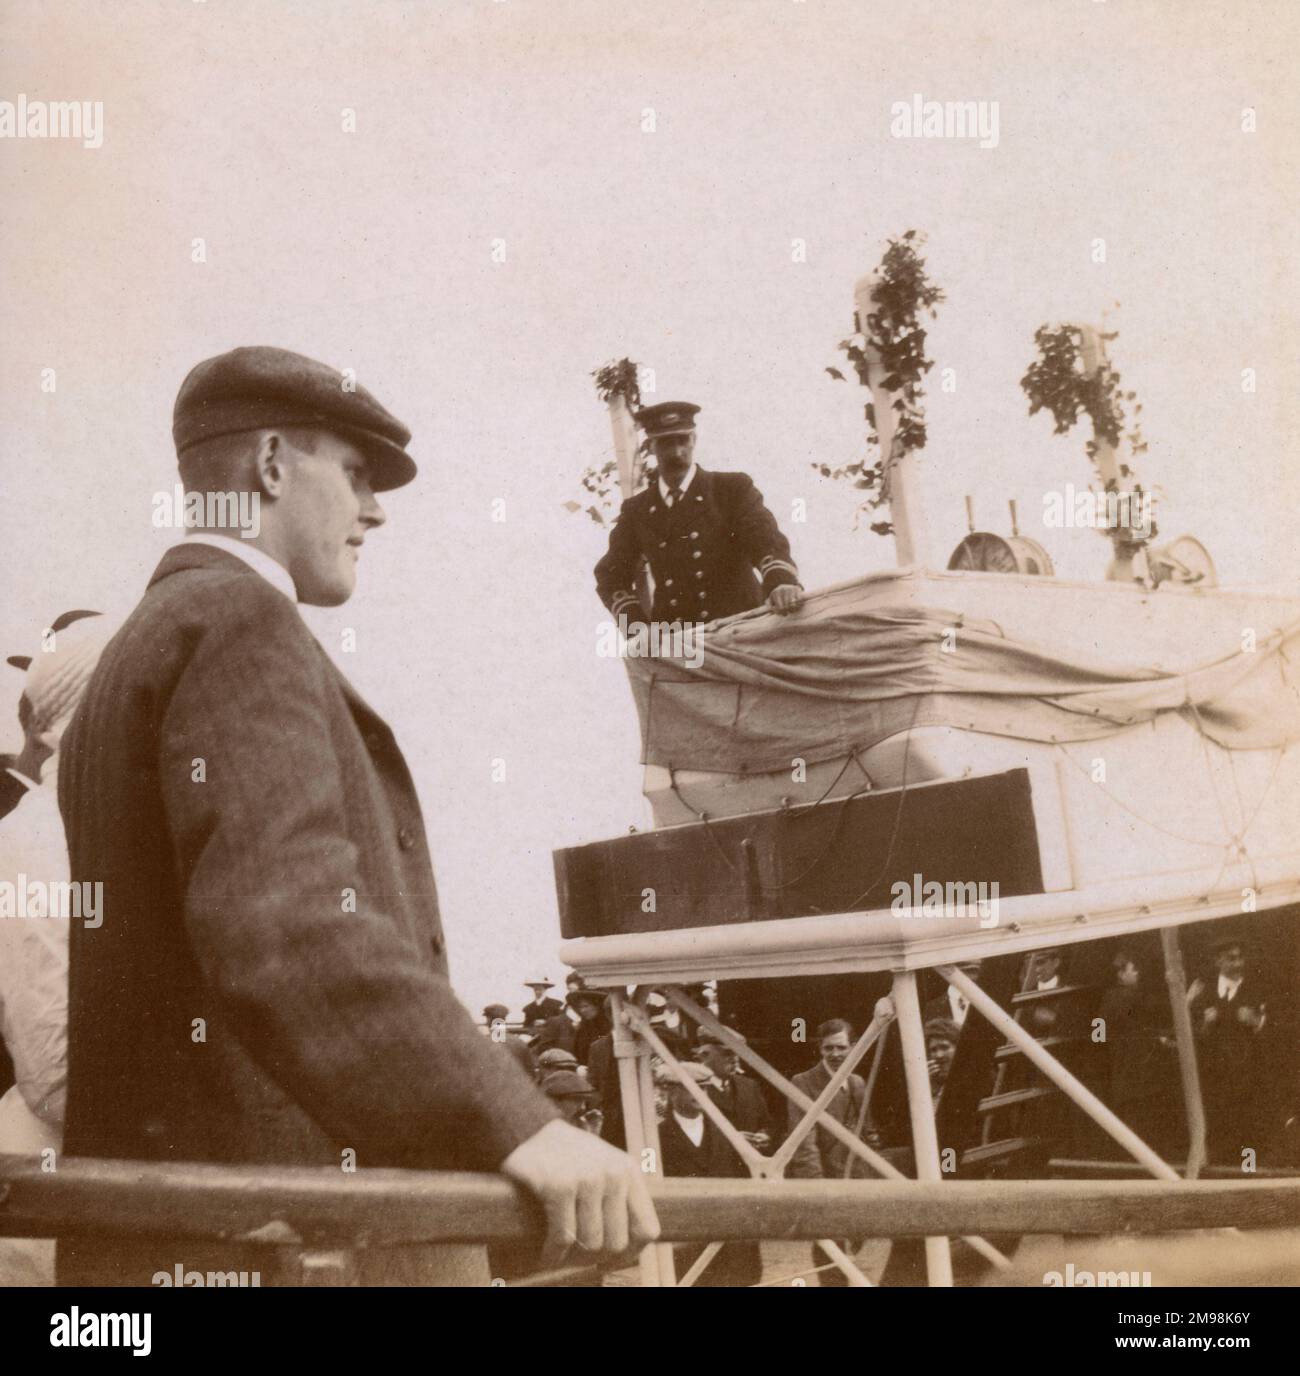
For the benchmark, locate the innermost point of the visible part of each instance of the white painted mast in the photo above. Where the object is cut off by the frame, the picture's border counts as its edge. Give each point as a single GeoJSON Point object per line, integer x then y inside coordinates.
{"type": "Point", "coordinates": [901, 468]}
{"type": "Point", "coordinates": [627, 456]}
{"type": "Point", "coordinates": [1121, 569]}
{"type": "Point", "coordinates": [625, 442]}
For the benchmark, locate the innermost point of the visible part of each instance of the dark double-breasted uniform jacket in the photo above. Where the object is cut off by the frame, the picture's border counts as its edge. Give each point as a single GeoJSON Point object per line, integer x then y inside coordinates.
{"type": "Point", "coordinates": [715, 552]}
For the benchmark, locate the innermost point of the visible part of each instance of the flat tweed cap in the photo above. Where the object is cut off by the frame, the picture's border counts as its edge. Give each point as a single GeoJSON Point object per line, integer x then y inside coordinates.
{"type": "Point", "coordinates": [259, 388]}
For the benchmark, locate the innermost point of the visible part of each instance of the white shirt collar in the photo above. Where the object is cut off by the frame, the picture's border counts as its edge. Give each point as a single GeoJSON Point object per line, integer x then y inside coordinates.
{"type": "Point", "coordinates": [1228, 987]}
{"type": "Point", "coordinates": [692, 1127]}
{"type": "Point", "coordinates": [1052, 983]}
{"type": "Point", "coordinates": [686, 482]}
{"type": "Point", "coordinates": [257, 560]}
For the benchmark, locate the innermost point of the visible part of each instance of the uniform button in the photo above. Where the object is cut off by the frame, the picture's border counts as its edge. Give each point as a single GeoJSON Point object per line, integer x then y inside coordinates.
{"type": "Point", "coordinates": [695, 535]}
{"type": "Point", "coordinates": [704, 616]}
{"type": "Point", "coordinates": [406, 838]}
{"type": "Point", "coordinates": [695, 554]}
{"type": "Point", "coordinates": [673, 603]}
{"type": "Point", "coordinates": [663, 544]}
{"type": "Point", "coordinates": [699, 498]}
{"type": "Point", "coordinates": [653, 509]}
{"type": "Point", "coordinates": [699, 573]}
{"type": "Point", "coordinates": [668, 582]}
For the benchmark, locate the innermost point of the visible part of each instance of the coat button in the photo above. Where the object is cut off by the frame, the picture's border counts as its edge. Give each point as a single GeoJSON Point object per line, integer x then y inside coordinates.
{"type": "Point", "coordinates": [699, 573]}
{"type": "Point", "coordinates": [672, 603]}
{"type": "Point", "coordinates": [653, 509]}
{"type": "Point", "coordinates": [695, 535]}
{"type": "Point", "coordinates": [704, 615]}
{"type": "Point", "coordinates": [695, 554]}
{"type": "Point", "coordinates": [406, 838]}
{"type": "Point", "coordinates": [668, 582]}
{"type": "Point", "coordinates": [663, 544]}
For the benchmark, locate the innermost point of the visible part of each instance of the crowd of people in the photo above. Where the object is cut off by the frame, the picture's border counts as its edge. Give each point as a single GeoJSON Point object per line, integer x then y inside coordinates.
{"type": "Point", "coordinates": [1125, 1025]}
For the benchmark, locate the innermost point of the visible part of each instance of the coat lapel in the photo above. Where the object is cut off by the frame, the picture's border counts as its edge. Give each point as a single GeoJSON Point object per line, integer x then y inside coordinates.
{"type": "Point", "coordinates": [374, 729]}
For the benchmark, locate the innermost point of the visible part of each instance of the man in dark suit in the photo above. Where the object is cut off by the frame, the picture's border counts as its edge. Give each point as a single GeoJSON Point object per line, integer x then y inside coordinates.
{"type": "Point", "coordinates": [713, 547]}
{"type": "Point", "coordinates": [692, 1147]}
{"type": "Point", "coordinates": [269, 983]}
{"type": "Point", "coordinates": [1230, 1017]}
{"type": "Point", "coordinates": [735, 1094]}
{"type": "Point", "coordinates": [821, 1156]}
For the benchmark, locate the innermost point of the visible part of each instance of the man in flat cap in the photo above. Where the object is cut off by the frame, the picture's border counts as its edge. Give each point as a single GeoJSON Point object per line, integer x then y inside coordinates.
{"type": "Point", "coordinates": [269, 983]}
{"type": "Point", "coordinates": [692, 1147]}
{"type": "Point", "coordinates": [713, 547]}
{"type": "Point", "coordinates": [572, 1095]}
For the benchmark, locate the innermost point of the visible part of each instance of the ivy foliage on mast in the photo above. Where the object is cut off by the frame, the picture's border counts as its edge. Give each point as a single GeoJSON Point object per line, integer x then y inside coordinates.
{"type": "Point", "coordinates": [613, 380]}
{"type": "Point", "coordinates": [892, 343]}
{"type": "Point", "coordinates": [1064, 382]}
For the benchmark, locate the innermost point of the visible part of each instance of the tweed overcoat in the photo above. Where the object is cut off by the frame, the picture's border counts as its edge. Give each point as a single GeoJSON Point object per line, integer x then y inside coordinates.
{"type": "Point", "coordinates": [269, 983]}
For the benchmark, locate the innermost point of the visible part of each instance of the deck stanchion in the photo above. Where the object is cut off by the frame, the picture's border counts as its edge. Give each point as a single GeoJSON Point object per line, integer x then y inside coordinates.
{"type": "Point", "coordinates": [920, 1104]}
{"type": "Point", "coordinates": [1185, 1039]}
{"type": "Point", "coordinates": [629, 1054]}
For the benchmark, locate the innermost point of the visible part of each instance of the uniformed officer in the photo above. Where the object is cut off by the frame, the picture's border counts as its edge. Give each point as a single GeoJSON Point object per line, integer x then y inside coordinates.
{"type": "Point", "coordinates": [713, 547]}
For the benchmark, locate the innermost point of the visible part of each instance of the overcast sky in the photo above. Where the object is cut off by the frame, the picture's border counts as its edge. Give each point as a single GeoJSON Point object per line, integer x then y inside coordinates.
{"type": "Point", "coordinates": [665, 237]}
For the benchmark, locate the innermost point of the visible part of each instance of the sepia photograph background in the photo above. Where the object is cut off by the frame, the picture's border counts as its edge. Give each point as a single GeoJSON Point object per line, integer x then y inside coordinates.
{"type": "Point", "coordinates": [473, 204]}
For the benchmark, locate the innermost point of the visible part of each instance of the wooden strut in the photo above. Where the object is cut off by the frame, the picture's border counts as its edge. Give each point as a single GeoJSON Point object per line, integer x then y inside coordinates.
{"type": "Point", "coordinates": [1185, 1039]}
{"type": "Point", "coordinates": [758, 1165]}
{"type": "Point", "coordinates": [792, 1092]}
{"type": "Point", "coordinates": [920, 1104]}
{"type": "Point", "coordinates": [1074, 1089]}
{"type": "Point", "coordinates": [781, 1159]}
{"type": "Point", "coordinates": [642, 1134]}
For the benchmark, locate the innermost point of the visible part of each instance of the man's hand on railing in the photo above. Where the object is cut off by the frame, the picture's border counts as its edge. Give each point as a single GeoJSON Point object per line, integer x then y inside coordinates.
{"type": "Point", "coordinates": [594, 1196]}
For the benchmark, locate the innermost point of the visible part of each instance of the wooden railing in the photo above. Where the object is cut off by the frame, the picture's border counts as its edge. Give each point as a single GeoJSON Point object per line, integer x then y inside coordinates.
{"type": "Point", "coordinates": [318, 1207]}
